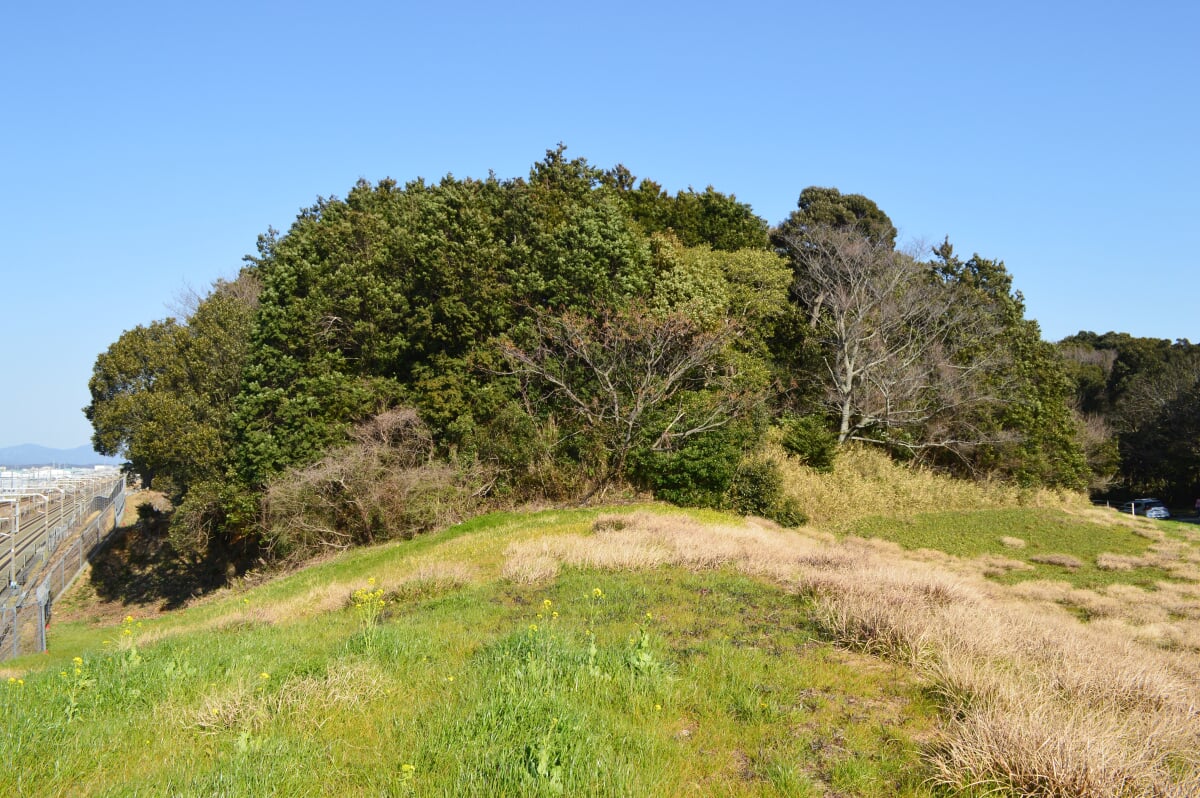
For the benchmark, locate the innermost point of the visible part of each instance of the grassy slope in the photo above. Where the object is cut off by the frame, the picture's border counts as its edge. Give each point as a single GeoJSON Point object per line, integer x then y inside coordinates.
{"type": "Point", "coordinates": [668, 681]}
{"type": "Point", "coordinates": [691, 675]}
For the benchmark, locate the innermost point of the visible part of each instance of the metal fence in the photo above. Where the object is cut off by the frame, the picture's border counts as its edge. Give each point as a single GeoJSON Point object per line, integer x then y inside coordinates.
{"type": "Point", "coordinates": [52, 568]}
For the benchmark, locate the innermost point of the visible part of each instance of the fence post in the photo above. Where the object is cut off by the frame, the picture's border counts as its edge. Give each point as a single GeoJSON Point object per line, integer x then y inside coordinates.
{"type": "Point", "coordinates": [11, 626]}
{"type": "Point", "coordinates": [43, 599]}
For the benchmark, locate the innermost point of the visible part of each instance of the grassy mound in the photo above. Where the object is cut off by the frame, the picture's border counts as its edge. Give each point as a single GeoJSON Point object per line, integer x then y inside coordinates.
{"type": "Point", "coordinates": [645, 651]}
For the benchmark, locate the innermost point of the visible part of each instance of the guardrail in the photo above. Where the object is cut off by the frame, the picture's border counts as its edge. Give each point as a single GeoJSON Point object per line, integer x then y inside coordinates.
{"type": "Point", "coordinates": [53, 557]}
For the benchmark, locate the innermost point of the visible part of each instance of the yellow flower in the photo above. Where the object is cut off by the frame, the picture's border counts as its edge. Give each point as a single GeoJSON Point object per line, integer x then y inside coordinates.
{"type": "Point", "coordinates": [20, 682]}
{"type": "Point", "coordinates": [649, 617]}
{"type": "Point", "coordinates": [407, 768]}
{"type": "Point", "coordinates": [77, 660]}
{"type": "Point", "coordinates": [533, 627]}
{"type": "Point", "coordinates": [658, 707]}
{"type": "Point", "coordinates": [371, 581]}
{"type": "Point", "coordinates": [547, 603]}
{"type": "Point", "coordinates": [128, 619]}
{"type": "Point", "coordinates": [216, 711]}
{"type": "Point", "coordinates": [597, 593]}
{"type": "Point", "coordinates": [449, 678]}
{"type": "Point", "coordinates": [554, 614]}
{"type": "Point", "coordinates": [12, 679]}
{"type": "Point", "coordinates": [264, 675]}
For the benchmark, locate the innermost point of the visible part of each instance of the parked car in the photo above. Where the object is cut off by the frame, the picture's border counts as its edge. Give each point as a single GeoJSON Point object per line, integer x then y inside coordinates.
{"type": "Point", "coordinates": [1151, 508]}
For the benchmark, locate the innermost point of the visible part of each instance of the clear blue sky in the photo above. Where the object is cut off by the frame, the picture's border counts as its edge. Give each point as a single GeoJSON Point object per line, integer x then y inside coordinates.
{"type": "Point", "coordinates": [144, 146]}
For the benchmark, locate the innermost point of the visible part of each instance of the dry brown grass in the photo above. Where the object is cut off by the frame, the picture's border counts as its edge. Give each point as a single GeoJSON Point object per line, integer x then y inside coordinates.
{"type": "Point", "coordinates": [305, 699]}
{"type": "Point", "coordinates": [1012, 543]}
{"type": "Point", "coordinates": [1061, 560]}
{"type": "Point", "coordinates": [1036, 701]}
{"type": "Point", "coordinates": [409, 576]}
{"type": "Point", "coordinates": [995, 565]}
{"type": "Point", "coordinates": [867, 482]}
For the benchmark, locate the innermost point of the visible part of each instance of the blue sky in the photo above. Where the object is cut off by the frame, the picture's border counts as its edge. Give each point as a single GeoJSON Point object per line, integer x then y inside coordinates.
{"type": "Point", "coordinates": [144, 146]}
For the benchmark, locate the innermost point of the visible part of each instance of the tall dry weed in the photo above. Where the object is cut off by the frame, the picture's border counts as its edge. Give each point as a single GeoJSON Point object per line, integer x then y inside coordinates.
{"type": "Point", "coordinates": [867, 482]}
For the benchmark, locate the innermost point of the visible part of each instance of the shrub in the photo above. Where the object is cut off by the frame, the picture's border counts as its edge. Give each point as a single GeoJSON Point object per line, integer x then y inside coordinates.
{"type": "Point", "coordinates": [384, 485]}
{"type": "Point", "coordinates": [529, 458]}
{"type": "Point", "coordinates": [697, 474]}
{"type": "Point", "coordinates": [757, 489]}
{"type": "Point", "coordinates": [810, 441]}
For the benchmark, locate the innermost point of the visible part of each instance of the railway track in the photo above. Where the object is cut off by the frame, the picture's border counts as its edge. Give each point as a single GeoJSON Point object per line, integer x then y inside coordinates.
{"type": "Point", "coordinates": [33, 521]}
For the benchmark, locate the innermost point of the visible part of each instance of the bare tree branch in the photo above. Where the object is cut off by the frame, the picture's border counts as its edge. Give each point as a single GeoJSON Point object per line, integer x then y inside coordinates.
{"type": "Point", "coordinates": [906, 354]}
{"type": "Point", "coordinates": [632, 377]}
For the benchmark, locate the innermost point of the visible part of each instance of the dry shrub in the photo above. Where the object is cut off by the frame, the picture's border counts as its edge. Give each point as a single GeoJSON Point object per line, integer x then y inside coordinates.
{"type": "Point", "coordinates": [1039, 703]}
{"type": "Point", "coordinates": [1061, 560]}
{"type": "Point", "coordinates": [1012, 543]}
{"type": "Point", "coordinates": [384, 485]}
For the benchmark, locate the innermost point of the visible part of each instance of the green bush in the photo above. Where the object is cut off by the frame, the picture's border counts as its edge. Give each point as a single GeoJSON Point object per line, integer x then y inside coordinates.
{"type": "Point", "coordinates": [757, 489]}
{"type": "Point", "coordinates": [697, 474]}
{"type": "Point", "coordinates": [809, 440]}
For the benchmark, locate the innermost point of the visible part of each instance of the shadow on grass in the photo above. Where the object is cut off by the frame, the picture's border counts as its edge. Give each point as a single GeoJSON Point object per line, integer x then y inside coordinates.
{"type": "Point", "coordinates": [138, 565]}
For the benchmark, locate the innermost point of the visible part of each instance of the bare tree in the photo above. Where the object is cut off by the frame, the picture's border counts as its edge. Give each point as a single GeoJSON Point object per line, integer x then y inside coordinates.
{"type": "Point", "coordinates": [906, 354]}
{"type": "Point", "coordinates": [631, 377]}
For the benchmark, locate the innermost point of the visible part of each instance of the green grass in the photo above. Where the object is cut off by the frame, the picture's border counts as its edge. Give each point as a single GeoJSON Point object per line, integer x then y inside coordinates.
{"type": "Point", "coordinates": [661, 682]}
{"type": "Point", "coordinates": [1045, 532]}
{"type": "Point", "coordinates": [657, 683]}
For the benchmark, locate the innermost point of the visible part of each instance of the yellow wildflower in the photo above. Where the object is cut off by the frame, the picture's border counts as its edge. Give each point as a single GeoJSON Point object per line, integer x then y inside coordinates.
{"type": "Point", "coordinates": [597, 593]}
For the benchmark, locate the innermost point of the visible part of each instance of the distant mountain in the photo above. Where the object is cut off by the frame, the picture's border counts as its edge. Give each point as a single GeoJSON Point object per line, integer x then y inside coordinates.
{"type": "Point", "coordinates": [30, 454]}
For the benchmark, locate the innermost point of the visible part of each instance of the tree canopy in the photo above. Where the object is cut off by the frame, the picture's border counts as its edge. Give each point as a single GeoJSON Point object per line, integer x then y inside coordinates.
{"type": "Point", "coordinates": [571, 329]}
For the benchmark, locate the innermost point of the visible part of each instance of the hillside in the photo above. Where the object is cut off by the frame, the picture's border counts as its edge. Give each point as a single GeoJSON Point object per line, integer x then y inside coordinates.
{"type": "Point", "coordinates": [648, 651]}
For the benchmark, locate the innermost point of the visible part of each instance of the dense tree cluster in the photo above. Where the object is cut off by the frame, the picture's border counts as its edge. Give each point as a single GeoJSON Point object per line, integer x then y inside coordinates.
{"type": "Point", "coordinates": [1140, 398]}
{"type": "Point", "coordinates": [555, 335]}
